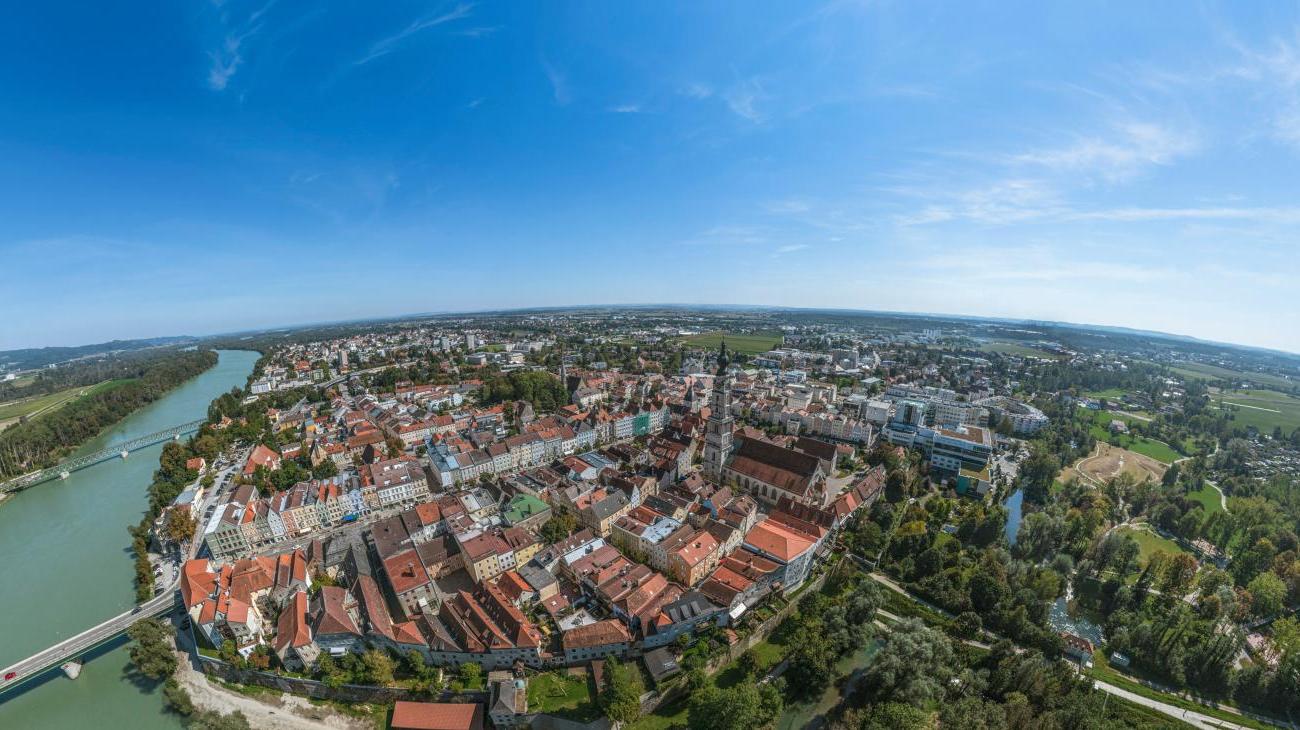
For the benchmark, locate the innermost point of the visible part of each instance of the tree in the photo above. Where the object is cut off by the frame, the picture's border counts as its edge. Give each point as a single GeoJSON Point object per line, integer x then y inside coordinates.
{"type": "Point", "coordinates": [176, 699]}
{"type": "Point", "coordinates": [209, 720]}
{"type": "Point", "coordinates": [1286, 637]}
{"type": "Point", "coordinates": [1267, 592]}
{"type": "Point", "coordinates": [968, 625]}
{"type": "Point", "coordinates": [378, 667]}
{"type": "Point", "coordinates": [470, 673]}
{"type": "Point", "coordinates": [1037, 474]}
{"type": "Point", "coordinates": [324, 470]}
{"type": "Point", "coordinates": [1179, 573]}
{"type": "Point", "coordinates": [914, 666]}
{"type": "Point", "coordinates": [152, 652]}
{"type": "Point", "coordinates": [180, 526]}
{"type": "Point", "coordinates": [621, 700]}
{"type": "Point", "coordinates": [887, 716]}
{"type": "Point", "coordinates": [740, 707]}
{"type": "Point", "coordinates": [560, 526]}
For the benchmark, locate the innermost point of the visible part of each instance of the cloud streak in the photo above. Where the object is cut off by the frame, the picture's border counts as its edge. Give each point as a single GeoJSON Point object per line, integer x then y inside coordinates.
{"type": "Point", "coordinates": [385, 46]}
{"type": "Point", "coordinates": [226, 60]}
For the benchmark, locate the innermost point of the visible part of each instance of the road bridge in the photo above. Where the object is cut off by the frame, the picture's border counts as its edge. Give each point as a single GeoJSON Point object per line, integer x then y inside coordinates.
{"type": "Point", "coordinates": [68, 466]}
{"type": "Point", "coordinates": [42, 661]}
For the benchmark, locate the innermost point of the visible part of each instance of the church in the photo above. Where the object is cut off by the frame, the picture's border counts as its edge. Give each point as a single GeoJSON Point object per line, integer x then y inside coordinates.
{"type": "Point", "coordinates": [765, 470]}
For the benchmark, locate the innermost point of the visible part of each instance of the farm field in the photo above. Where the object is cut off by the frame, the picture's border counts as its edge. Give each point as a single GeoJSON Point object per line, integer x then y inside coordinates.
{"type": "Point", "coordinates": [1214, 372]}
{"type": "Point", "coordinates": [1262, 409]}
{"type": "Point", "coordinates": [1149, 543]}
{"type": "Point", "coordinates": [1107, 393]}
{"type": "Point", "coordinates": [13, 410]}
{"type": "Point", "coordinates": [1108, 462]}
{"type": "Point", "coordinates": [1158, 450]}
{"type": "Point", "coordinates": [1007, 347]}
{"type": "Point", "coordinates": [750, 344]}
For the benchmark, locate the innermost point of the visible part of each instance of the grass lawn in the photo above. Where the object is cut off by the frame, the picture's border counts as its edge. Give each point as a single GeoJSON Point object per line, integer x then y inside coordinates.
{"type": "Point", "coordinates": [1209, 498]}
{"type": "Point", "coordinates": [559, 693]}
{"type": "Point", "coordinates": [749, 344]}
{"type": "Point", "coordinates": [1150, 542]}
{"type": "Point", "coordinates": [1158, 450]}
{"type": "Point", "coordinates": [1263, 409]}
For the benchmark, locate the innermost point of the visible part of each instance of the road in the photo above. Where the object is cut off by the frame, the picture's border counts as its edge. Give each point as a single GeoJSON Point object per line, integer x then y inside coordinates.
{"type": "Point", "coordinates": [1191, 717]}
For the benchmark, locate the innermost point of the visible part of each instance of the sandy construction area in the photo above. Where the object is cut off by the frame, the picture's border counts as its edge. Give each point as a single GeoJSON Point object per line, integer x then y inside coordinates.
{"type": "Point", "coordinates": [1108, 462]}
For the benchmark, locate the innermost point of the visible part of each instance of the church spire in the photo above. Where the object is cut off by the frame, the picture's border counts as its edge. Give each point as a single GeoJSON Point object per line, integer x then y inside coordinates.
{"type": "Point", "coordinates": [723, 362]}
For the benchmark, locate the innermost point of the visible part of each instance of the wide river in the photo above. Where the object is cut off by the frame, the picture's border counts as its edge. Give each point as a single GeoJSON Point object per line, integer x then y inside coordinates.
{"type": "Point", "coordinates": [66, 565]}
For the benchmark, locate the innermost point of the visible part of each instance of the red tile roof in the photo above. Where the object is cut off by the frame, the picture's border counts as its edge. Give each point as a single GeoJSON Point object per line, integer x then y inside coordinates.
{"type": "Point", "coordinates": [437, 716]}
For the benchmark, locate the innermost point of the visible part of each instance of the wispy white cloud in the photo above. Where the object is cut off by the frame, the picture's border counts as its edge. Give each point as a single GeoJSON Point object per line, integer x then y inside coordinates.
{"type": "Point", "coordinates": [731, 235]}
{"type": "Point", "coordinates": [1130, 148]}
{"type": "Point", "coordinates": [385, 46]}
{"type": "Point", "coordinates": [743, 99]}
{"type": "Point", "coordinates": [228, 57]}
{"type": "Point", "coordinates": [626, 109]}
{"type": "Point", "coordinates": [697, 90]}
{"type": "Point", "coordinates": [559, 83]}
{"type": "Point", "coordinates": [791, 248]}
{"type": "Point", "coordinates": [789, 206]}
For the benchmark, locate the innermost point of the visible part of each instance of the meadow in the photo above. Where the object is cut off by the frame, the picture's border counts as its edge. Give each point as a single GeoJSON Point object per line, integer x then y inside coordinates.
{"type": "Point", "coordinates": [1263, 409]}
{"type": "Point", "coordinates": [1204, 371]}
{"type": "Point", "coordinates": [748, 344]}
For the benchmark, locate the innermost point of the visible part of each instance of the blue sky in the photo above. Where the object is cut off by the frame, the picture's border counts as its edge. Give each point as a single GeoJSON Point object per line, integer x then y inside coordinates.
{"type": "Point", "coordinates": [197, 167]}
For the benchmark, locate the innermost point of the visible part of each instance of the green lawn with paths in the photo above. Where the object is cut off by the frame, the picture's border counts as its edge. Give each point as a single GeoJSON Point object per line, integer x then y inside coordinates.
{"type": "Point", "coordinates": [1158, 450]}
{"type": "Point", "coordinates": [1149, 543]}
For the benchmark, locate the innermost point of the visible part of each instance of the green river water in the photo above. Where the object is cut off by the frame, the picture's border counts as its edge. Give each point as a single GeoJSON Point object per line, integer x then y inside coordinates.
{"type": "Point", "coordinates": [66, 565]}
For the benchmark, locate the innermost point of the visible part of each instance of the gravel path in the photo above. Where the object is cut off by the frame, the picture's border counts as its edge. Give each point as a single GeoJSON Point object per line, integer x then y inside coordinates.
{"type": "Point", "coordinates": [271, 710]}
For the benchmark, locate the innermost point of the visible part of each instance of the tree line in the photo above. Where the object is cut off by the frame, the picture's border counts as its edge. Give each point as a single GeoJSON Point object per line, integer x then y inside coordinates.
{"type": "Point", "coordinates": [41, 442]}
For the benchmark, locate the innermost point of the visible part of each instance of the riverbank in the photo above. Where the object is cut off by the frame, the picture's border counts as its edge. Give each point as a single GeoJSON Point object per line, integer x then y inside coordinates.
{"type": "Point", "coordinates": [44, 441]}
{"type": "Point", "coordinates": [265, 708]}
{"type": "Point", "coordinates": [66, 543]}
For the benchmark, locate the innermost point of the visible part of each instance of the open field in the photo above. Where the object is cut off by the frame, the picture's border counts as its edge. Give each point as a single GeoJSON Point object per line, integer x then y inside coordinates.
{"type": "Point", "coordinates": [1158, 450]}
{"type": "Point", "coordinates": [1214, 372]}
{"type": "Point", "coordinates": [1108, 462]}
{"type": "Point", "coordinates": [1149, 543]}
{"type": "Point", "coordinates": [1111, 393]}
{"type": "Point", "coordinates": [1263, 409]}
{"type": "Point", "coordinates": [751, 344]}
{"type": "Point", "coordinates": [1009, 347]}
{"type": "Point", "coordinates": [13, 410]}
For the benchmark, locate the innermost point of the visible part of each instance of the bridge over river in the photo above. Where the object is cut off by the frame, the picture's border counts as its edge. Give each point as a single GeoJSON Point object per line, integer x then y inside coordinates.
{"type": "Point", "coordinates": [69, 649]}
{"type": "Point", "coordinates": [64, 468]}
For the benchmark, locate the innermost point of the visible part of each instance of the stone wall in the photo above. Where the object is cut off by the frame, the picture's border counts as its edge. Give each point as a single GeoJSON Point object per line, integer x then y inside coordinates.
{"type": "Point", "coordinates": [319, 690]}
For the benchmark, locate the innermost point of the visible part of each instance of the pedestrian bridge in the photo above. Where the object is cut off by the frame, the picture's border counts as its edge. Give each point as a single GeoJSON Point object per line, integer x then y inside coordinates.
{"type": "Point", "coordinates": [65, 651]}
{"type": "Point", "coordinates": [63, 468]}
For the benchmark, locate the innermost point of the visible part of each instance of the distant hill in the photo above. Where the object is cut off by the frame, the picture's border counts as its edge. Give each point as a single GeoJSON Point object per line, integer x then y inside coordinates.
{"type": "Point", "coordinates": [40, 357]}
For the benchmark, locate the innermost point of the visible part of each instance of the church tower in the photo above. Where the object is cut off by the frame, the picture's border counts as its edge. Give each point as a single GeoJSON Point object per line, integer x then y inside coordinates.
{"type": "Point", "coordinates": [717, 433]}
